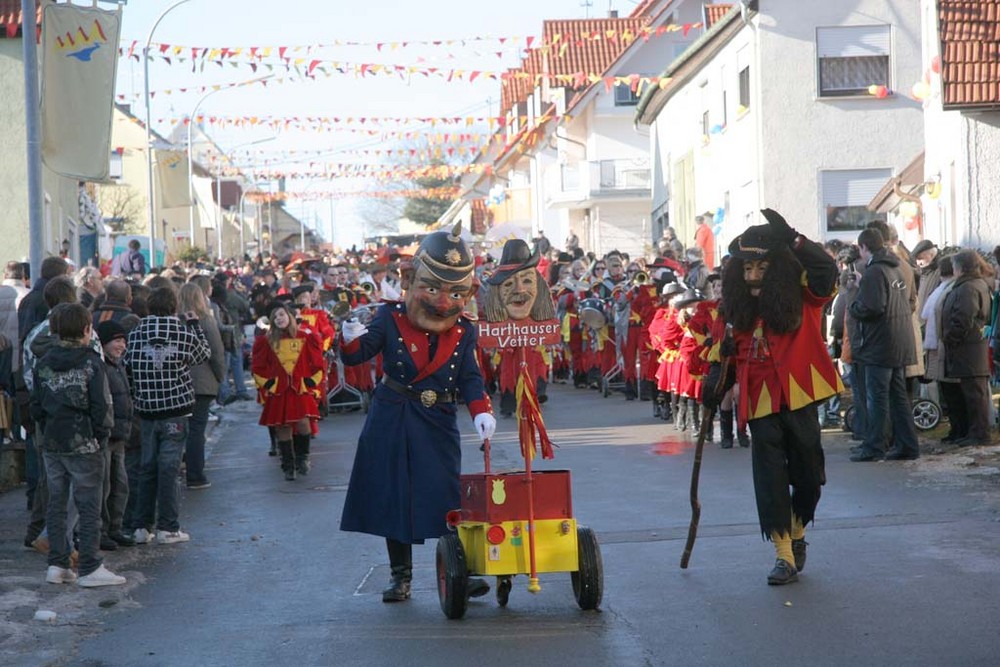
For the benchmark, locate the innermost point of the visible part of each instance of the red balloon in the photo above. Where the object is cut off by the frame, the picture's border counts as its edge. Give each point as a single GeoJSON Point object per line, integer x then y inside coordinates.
{"type": "Point", "coordinates": [881, 92]}
{"type": "Point", "coordinates": [936, 64]}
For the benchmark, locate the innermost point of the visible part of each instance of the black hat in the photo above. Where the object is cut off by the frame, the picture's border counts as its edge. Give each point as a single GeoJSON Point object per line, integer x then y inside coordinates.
{"type": "Point", "coordinates": [281, 301]}
{"type": "Point", "coordinates": [564, 258]}
{"type": "Point", "coordinates": [445, 255]}
{"type": "Point", "coordinates": [923, 246]}
{"type": "Point", "coordinates": [516, 257]}
{"type": "Point", "coordinates": [690, 296]}
{"type": "Point", "coordinates": [108, 330]}
{"type": "Point", "coordinates": [672, 288]}
{"type": "Point", "coordinates": [307, 286]}
{"type": "Point", "coordinates": [755, 242]}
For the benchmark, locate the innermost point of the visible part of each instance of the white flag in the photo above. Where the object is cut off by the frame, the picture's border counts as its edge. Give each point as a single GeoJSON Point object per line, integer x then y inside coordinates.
{"type": "Point", "coordinates": [79, 62]}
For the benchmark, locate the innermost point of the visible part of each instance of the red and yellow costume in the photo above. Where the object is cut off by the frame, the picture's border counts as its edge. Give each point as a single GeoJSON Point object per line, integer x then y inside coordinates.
{"type": "Point", "coordinates": [645, 304]}
{"type": "Point", "coordinates": [281, 376]}
{"type": "Point", "coordinates": [791, 370]}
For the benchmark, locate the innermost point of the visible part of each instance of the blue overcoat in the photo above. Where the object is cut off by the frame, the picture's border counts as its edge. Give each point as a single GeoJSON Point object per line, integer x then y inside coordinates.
{"type": "Point", "coordinates": [406, 471]}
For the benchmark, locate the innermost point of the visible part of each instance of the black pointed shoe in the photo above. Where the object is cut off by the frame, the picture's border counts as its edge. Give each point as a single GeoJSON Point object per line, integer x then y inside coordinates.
{"type": "Point", "coordinates": [478, 587]}
{"type": "Point", "coordinates": [782, 573]}
{"type": "Point", "coordinates": [799, 551]}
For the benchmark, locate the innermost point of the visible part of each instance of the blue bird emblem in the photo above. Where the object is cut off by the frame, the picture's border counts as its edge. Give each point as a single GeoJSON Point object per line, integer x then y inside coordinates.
{"type": "Point", "coordinates": [83, 55]}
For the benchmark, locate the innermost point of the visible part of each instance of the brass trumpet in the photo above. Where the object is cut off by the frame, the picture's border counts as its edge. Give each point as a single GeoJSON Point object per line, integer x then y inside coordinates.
{"type": "Point", "coordinates": [367, 287]}
{"type": "Point", "coordinates": [640, 278]}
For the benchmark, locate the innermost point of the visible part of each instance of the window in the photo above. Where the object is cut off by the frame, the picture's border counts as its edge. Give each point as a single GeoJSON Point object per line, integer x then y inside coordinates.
{"type": "Point", "coordinates": [625, 96]}
{"type": "Point", "coordinates": [115, 169]}
{"type": "Point", "coordinates": [725, 114]}
{"type": "Point", "coordinates": [846, 193]}
{"type": "Point", "coordinates": [743, 80]}
{"type": "Point", "coordinates": [852, 58]}
{"type": "Point", "coordinates": [745, 87]}
{"type": "Point", "coordinates": [705, 128]}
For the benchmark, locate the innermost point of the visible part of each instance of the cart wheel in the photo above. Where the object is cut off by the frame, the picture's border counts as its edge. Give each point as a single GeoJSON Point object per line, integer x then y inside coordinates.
{"type": "Point", "coordinates": [605, 387]}
{"type": "Point", "coordinates": [926, 414]}
{"type": "Point", "coordinates": [588, 581]}
{"type": "Point", "coordinates": [504, 584]}
{"type": "Point", "coordinates": [453, 576]}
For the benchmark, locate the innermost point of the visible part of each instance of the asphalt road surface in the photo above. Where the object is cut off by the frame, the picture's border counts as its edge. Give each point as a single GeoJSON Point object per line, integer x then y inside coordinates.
{"type": "Point", "coordinates": [903, 567]}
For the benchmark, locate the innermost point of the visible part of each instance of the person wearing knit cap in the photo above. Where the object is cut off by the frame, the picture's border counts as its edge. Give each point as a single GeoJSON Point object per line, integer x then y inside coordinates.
{"type": "Point", "coordinates": [773, 293]}
{"type": "Point", "coordinates": [114, 496]}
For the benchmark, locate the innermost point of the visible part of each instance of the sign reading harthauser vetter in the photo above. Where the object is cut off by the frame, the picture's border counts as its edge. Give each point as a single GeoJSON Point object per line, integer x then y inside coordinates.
{"type": "Point", "coordinates": [518, 333]}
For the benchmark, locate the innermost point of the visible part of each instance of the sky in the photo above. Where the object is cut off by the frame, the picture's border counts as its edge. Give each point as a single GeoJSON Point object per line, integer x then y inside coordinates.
{"type": "Point", "coordinates": [247, 23]}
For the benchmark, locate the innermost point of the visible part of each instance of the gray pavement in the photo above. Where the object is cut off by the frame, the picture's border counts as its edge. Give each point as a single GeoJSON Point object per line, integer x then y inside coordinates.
{"type": "Point", "coordinates": [904, 565]}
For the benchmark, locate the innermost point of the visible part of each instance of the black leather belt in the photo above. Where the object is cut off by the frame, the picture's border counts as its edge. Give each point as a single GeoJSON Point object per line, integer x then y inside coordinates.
{"type": "Point", "coordinates": [427, 397]}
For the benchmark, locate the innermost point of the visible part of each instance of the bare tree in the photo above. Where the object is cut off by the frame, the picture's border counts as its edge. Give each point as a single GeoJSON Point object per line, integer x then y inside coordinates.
{"type": "Point", "coordinates": [121, 207]}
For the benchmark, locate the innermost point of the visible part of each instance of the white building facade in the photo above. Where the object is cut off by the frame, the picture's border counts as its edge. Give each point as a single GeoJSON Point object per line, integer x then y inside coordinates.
{"type": "Point", "coordinates": [794, 107]}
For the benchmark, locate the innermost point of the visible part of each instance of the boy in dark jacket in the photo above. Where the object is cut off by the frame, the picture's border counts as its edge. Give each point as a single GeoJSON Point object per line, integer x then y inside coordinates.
{"type": "Point", "coordinates": [71, 404]}
{"type": "Point", "coordinates": [115, 494]}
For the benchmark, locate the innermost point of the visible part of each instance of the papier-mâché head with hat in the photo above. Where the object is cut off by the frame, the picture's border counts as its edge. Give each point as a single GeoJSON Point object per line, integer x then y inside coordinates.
{"type": "Point", "coordinates": [441, 282]}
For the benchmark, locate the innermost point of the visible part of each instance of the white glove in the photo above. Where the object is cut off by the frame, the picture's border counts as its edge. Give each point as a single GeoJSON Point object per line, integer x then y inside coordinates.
{"type": "Point", "coordinates": [486, 424]}
{"type": "Point", "coordinates": [353, 329]}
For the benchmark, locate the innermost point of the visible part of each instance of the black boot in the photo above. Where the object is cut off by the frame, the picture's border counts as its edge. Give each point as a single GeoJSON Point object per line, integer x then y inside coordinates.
{"type": "Point", "coordinates": [726, 426]}
{"type": "Point", "coordinates": [401, 566]}
{"type": "Point", "coordinates": [287, 459]}
{"type": "Point", "coordinates": [695, 409]}
{"type": "Point", "coordinates": [666, 411]}
{"type": "Point", "coordinates": [647, 390]}
{"type": "Point", "coordinates": [630, 394]}
{"type": "Point", "coordinates": [658, 405]}
{"type": "Point", "coordinates": [274, 442]}
{"type": "Point", "coordinates": [508, 404]}
{"type": "Point", "coordinates": [301, 445]}
{"type": "Point", "coordinates": [681, 420]}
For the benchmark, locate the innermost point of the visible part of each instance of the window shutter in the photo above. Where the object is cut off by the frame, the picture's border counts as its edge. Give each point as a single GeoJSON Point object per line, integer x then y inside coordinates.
{"type": "Point", "coordinates": [853, 41]}
{"type": "Point", "coordinates": [852, 187]}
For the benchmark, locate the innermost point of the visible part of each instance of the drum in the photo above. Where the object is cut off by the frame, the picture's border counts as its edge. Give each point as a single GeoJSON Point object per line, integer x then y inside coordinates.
{"type": "Point", "coordinates": [593, 313]}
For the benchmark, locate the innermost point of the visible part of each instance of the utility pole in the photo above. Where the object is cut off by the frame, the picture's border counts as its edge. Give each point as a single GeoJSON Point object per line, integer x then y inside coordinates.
{"type": "Point", "coordinates": [33, 130]}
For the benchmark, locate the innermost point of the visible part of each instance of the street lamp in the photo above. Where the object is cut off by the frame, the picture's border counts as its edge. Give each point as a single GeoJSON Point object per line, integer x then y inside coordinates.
{"type": "Point", "coordinates": [218, 186]}
{"type": "Point", "coordinates": [190, 144]}
{"type": "Point", "coordinates": [149, 131]}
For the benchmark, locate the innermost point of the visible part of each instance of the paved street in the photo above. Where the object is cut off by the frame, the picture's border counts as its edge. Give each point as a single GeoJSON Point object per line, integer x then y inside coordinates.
{"type": "Point", "coordinates": [903, 566]}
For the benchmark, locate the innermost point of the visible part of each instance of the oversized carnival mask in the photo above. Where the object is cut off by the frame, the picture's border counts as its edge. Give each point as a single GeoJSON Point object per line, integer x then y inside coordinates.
{"type": "Point", "coordinates": [514, 292]}
{"type": "Point", "coordinates": [442, 282]}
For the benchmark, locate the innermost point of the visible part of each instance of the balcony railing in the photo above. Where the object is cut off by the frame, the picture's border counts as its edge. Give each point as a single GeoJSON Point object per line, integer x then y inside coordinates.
{"type": "Point", "coordinates": [621, 174]}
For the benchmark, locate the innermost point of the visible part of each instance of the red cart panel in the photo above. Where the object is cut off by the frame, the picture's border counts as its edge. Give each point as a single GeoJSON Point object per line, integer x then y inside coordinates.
{"type": "Point", "coordinates": [498, 497]}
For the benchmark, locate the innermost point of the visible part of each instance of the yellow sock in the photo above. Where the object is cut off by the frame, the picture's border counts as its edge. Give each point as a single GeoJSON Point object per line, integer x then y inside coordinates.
{"type": "Point", "coordinates": [798, 530]}
{"type": "Point", "coordinates": [783, 547]}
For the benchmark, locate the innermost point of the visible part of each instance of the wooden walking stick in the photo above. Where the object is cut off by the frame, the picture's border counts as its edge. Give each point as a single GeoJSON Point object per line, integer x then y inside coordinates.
{"type": "Point", "coordinates": [706, 424]}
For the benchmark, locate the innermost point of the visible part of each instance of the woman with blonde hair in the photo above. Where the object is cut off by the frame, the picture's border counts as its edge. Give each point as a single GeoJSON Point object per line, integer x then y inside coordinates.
{"type": "Point", "coordinates": [206, 378]}
{"type": "Point", "coordinates": [288, 369]}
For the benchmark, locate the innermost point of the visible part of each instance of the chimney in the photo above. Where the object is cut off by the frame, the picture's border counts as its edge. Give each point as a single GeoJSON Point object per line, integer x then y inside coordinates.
{"type": "Point", "coordinates": [612, 13]}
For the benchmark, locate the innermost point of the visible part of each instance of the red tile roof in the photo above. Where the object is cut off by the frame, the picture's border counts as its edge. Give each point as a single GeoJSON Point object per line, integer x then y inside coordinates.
{"type": "Point", "coordinates": [970, 53]}
{"type": "Point", "coordinates": [571, 46]}
{"type": "Point", "coordinates": [713, 13]}
{"type": "Point", "coordinates": [643, 9]}
{"type": "Point", "coordinates": [10, 17]}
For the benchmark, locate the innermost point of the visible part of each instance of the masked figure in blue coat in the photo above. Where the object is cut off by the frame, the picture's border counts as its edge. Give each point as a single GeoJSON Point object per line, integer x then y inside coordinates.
{"type": "Point", "coordinates": [406, 471]}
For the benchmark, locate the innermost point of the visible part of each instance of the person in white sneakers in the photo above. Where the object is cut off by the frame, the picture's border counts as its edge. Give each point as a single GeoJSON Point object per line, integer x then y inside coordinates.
{"type": "Point", "coordinates": [71, 404]}
{"type": "Point", "coordinates": [158, 358]}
